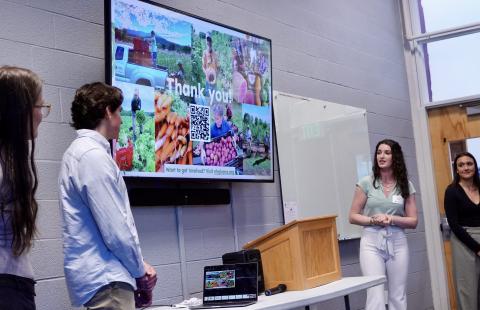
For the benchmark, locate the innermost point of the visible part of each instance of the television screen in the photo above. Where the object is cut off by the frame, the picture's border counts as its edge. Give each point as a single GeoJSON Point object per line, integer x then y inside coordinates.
{"type": "Point", "coordinates": [197, 95]}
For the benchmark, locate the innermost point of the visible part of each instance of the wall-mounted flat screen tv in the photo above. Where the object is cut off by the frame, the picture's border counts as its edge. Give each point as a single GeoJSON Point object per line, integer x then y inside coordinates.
{"type": "Point", "coordinates": [197, 95]}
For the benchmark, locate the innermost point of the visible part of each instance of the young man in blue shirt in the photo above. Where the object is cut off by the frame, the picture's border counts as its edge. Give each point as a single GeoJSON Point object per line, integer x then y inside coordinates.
{"type": "Point", "coordinates": [102, 258]}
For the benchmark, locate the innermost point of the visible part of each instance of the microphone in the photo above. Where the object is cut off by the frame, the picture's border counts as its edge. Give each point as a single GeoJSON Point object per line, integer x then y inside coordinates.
{"type": "Point", "coordinates": [275, 290]}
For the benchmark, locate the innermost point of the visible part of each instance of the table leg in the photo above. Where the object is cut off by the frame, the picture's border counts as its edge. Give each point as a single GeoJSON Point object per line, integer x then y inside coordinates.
{"type": "Point", "coordinates": [347, 302]}
{"type": "Point", "coordinates": [307, 307]}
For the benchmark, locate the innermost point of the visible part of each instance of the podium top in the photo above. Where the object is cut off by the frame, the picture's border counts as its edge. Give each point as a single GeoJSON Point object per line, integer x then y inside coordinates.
{"type": "Point", "coordinates": [253, 243]}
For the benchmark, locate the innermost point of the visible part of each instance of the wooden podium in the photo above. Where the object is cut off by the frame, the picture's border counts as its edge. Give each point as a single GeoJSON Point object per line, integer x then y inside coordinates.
{"type": "Point", "coordinates": [301, 254]}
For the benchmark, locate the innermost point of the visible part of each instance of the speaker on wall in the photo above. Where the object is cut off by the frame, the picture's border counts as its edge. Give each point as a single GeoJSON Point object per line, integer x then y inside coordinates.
{"type": "Point", "coordinates": [178, 196]}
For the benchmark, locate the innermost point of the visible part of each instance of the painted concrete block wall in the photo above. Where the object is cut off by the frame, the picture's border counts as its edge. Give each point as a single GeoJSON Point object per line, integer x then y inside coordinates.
{"type": "Point", "coordinates": [343, 51]}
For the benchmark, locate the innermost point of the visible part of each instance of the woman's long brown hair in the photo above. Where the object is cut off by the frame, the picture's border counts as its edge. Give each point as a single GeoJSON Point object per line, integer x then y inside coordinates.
{"type": "Point", "coordinates": [20, 89]}
{"type": "Point", "coordinates": [398, 166]}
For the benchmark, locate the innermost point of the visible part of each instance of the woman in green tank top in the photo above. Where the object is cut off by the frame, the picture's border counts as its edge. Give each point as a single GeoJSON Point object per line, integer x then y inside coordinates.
{"type": "Point", "coordinates": [384, 203]}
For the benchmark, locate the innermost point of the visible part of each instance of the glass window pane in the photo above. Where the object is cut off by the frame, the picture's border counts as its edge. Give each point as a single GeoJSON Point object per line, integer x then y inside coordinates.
{"type": "Point", "coordinates": [454, 66]}
{"type": "Point", "coordinates": [442, 14]}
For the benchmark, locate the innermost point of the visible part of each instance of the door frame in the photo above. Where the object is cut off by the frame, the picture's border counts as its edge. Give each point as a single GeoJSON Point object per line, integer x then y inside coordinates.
{"type": "Point", "coordinates": [428, 190]}
{"type": "Point", "coordinates": [424, 157]}
{"type": "Point", "coordinates": [449, 124]}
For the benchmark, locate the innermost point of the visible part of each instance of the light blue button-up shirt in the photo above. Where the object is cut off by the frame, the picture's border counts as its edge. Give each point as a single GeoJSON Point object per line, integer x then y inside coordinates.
{"type": "Point", "coordinates": [100, 241]}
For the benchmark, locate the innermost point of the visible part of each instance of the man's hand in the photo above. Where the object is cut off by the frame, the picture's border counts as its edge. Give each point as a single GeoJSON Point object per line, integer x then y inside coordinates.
{"type": "Point", "coordinates": [149, 270]}
{"type": "Point", "coordinates": [148, 281]}
{"type": "Point", "coordinates": [143, 294]}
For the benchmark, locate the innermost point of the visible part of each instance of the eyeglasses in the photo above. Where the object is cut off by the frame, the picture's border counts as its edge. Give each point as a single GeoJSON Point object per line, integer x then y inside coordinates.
{"type": "Point", "coordinates": [44, 109]}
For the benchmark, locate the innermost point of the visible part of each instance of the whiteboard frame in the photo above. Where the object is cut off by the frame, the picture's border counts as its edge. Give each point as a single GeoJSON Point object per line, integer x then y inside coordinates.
{"type": "Point", "coordinates": [317, 126]}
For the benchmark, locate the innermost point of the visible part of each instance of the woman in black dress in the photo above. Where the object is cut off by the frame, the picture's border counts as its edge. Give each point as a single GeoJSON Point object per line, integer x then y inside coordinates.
{"type": "Point", "coordinates": [462, 206]}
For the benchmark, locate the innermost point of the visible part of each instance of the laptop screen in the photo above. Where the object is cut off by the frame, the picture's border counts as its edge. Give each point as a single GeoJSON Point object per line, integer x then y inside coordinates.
{"type": "Point", "coordinates": [237, 282]}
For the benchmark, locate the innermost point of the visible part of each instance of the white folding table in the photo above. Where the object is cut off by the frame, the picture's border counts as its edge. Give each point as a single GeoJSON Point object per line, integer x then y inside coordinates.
{"type": "Point", "coordinates": [295, 299]}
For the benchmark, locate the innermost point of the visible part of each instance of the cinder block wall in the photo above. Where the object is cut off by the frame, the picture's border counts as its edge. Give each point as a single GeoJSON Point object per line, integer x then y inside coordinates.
{"type": "Point", "coordinates": [343, 51]}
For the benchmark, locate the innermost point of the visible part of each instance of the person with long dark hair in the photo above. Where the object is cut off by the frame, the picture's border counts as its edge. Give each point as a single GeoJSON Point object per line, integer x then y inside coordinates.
{"type": "Point", "coordinates": [384, 203]}
{"type": "Point", "coordinates": [21, 111]}
{"type": "Point", "coordinates": [462, 207]}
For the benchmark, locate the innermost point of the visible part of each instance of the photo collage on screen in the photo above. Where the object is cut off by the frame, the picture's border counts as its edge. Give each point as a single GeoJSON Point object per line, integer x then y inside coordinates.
{"type": "Point", "coordinates": [197, 96]}
{"type": "Point", "coordinates": [220, 279]}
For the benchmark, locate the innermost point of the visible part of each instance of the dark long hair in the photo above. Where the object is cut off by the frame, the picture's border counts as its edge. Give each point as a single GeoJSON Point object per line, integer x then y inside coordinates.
{"type": "Point", "coordinates": [398, 166]}
{"type": "Point", "coordinates": [456, 176]}
{"type": "Point", "coordinates": [20, 89]}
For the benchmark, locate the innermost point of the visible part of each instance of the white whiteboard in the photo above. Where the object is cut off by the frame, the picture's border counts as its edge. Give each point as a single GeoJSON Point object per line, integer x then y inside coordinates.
{"type": "Point", "coordinates": [323, 150]}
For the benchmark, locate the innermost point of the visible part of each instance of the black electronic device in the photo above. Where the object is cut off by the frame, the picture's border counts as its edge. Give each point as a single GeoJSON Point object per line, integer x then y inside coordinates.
{"type": "Point", "coordinates": [178, 196]}
{"type": "Point", "coordinates": [247, 256]}
{"type": "Point", "coordinates": [275, 290]}
{"type": "Point", "coordinates": [232, 285]}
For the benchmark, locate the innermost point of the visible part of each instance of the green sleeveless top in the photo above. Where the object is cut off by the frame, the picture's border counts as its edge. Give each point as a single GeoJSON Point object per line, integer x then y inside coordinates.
{"type": "Point", "coordinates": [378, 203]}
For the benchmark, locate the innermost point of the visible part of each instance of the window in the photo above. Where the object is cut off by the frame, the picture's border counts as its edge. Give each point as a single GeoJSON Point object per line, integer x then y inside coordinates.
{"type": "Point", "coordinates": [454, 67]}
{"type": "Point", "coordinates": [444, 37]}
{"type": "Point", "coordinates": [443, 14]}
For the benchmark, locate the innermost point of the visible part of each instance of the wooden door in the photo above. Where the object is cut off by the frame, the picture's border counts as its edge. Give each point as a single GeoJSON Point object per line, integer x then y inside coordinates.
{"type": "Point", "coordinates": [446, 125]}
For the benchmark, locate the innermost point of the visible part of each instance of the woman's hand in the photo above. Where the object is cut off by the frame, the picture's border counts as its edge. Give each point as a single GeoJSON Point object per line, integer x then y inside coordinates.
{"type": "Point", "coordinates": [381, 219]}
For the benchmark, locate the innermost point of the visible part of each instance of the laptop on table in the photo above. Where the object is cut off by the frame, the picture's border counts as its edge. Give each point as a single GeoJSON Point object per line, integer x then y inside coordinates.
{"type": "Point", "coordinates": [233, 285]}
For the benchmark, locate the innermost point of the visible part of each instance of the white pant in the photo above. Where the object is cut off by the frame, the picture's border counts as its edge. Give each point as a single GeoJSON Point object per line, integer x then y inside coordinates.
{"type": "Point", "coordinates": [384, 251]}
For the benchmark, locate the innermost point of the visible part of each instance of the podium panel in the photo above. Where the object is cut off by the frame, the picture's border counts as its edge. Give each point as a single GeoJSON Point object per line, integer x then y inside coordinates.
{"type": "Point", "coordinates": [301, 254]}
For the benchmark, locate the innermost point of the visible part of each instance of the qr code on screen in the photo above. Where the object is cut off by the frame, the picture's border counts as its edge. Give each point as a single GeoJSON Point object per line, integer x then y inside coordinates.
{"type": "Point", "coordinates": [199, 123]}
